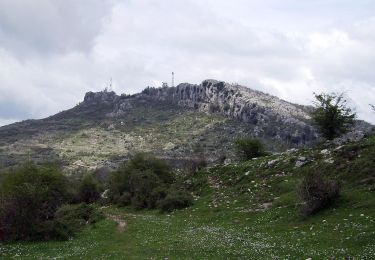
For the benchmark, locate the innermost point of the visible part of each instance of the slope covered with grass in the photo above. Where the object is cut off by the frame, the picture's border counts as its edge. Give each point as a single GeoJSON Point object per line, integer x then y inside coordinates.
{"type": "Point", "coordinates": [248, 210]}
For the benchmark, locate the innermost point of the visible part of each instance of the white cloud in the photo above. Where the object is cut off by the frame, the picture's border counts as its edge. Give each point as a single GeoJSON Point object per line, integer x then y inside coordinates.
{"type": "Point", "coordinates": [52, 52]}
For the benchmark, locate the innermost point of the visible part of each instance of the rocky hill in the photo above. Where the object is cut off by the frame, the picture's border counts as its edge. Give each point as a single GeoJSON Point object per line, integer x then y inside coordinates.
{"type": "Point", "coordinates": [270, 115]}
{"type": "Point", "coordinates": [179, 123]}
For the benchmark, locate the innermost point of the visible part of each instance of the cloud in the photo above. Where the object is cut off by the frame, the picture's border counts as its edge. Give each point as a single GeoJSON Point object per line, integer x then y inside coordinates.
{"type": "Point", "coordinates": [45, 27]}
{"type": "Point", "coordinates": [52, 52]}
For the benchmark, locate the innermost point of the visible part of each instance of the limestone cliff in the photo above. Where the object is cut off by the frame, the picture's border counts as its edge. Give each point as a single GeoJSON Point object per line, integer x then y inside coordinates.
{"type": "Point", "coordinates": [280, 119]}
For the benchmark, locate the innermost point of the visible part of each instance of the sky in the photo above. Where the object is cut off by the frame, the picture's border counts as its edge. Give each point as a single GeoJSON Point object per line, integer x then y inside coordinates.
{"type": "Point", "coordinates": [53, 51]}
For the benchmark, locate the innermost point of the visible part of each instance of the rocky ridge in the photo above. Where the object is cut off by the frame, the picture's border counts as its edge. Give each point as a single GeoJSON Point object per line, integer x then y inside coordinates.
{"type": "Point", "coordinates": [180, 124]}
{"type": "Point", "coordinates": [270, 115]}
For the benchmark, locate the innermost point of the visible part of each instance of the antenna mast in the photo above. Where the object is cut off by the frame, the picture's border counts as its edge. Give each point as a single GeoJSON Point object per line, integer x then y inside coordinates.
{"type": "Point", "coordinates": [172, 79]}
{"type": "Point", "coordinates": [110, 85]}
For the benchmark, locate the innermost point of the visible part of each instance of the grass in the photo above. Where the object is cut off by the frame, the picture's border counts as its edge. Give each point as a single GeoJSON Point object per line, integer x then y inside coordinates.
{"type": "Point", "coordinates": [202, 233]}
{"type": "Point", "coordinates": [242, 211]}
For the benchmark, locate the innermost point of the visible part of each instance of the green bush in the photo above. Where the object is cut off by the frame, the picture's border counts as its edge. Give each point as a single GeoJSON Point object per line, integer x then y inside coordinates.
{"type": "Point", "coordinates": [30, 196]}
{"type": "Point", "coordinates": [316, 193]}
{"type": "Point", "coordinates": [142, 182]}
{"type": "Point", "coordinates": [248, 148]}
{"type": "Point", "coordinates": [175, 200]}
{"type": "Point", "coordinates": [69, 219]}
{"type": "Point", "coordinates": [123, 199]}
{"type": "Point", "coordinates": [138, 181]}
{"type": "Point", "coordinates": [89, 189]}
{"type": "Point", "coordinates": [76, 216]}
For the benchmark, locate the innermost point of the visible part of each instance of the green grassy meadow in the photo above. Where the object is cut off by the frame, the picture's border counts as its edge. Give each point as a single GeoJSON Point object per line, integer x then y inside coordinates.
{"type": "Point", "coordinates": [247, 210]}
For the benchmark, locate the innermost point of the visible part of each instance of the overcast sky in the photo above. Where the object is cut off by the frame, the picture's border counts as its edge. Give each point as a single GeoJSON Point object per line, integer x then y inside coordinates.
{"type": "Point", "coordinates": [53, 51]}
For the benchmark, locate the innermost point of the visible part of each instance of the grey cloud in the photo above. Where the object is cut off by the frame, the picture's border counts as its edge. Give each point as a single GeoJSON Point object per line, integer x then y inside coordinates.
{"type": "Point", "coordinates": [49, 63]}
{"type": "Point", "coordinates": [45, 26]}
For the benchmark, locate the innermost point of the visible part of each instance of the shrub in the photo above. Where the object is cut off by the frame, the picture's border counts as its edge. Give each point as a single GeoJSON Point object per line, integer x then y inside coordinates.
{"type": "Point", "coordinates": [175, 200]}
{"type": "Point", "coordinates": [147, 182]}
{"type": "Point", "coordinates": [30, 196]}
{"type": "Point", "coordinates": [68, 220]}
{"type": "Point", "coordinates": [142, 186]}
{"type": "Point", "coordinates": [124, 199]}
{"type": "Point", "coordinates": [317, 193]}
{"type": "Point", "coordinates": [140, 181]}
{"type": "Point", "coordinates": [89, 189]}
{"type": "Point", "coordinates": [249, 148]}
{"type": "Point", "coordinates": [75, 216]}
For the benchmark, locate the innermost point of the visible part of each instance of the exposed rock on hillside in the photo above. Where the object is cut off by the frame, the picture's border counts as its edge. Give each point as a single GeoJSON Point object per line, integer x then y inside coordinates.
{"type": "Point", "coordinates": [280, 119]}
{"type": "Point", "coordinates": [183, 124]}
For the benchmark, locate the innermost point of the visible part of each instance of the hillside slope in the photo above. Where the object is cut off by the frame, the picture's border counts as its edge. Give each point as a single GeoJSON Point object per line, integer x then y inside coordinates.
{"type": "Point", "coordinates": [248, 210]}
{"type": "Point", "coordinates": [178, 123]}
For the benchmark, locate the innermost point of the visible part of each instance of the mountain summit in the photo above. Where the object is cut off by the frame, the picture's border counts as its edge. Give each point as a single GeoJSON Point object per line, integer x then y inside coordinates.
{"type": "Point", "coordinates": [264, 111]}
{"type": "Point", "coordinates": [176, 123]}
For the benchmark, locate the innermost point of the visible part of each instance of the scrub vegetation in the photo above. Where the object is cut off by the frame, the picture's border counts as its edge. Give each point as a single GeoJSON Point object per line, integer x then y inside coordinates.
{"type": "Point", "coordinates": [251, 209]}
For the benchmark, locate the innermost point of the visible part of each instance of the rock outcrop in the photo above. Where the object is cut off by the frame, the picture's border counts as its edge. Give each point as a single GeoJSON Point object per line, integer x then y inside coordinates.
{"type": "Point", "coordinates": [280, 119]}
{"type": "Point", "coordinates": [271, 117]}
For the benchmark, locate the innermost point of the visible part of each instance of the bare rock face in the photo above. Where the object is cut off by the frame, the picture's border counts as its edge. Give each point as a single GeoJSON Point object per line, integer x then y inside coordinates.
{"type": "Point", "coordinates": [360, 130]}
{"type": "Point", "coordinates": [271, 117]}
{"type": "Point", "coordinates": [276, 117]}
{"type": "Point", "coordinates": [100, 97]}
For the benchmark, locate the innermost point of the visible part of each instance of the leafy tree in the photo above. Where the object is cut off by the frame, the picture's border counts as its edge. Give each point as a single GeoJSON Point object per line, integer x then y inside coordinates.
{"type": "Point", "coordinates": [249, 148]}
{"type": "Point", "coordinates": [332, 115]}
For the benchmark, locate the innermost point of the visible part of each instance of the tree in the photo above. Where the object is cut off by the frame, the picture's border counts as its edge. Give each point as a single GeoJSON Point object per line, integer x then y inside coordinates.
{"type": "Point", "coordinates": [332, 115]}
